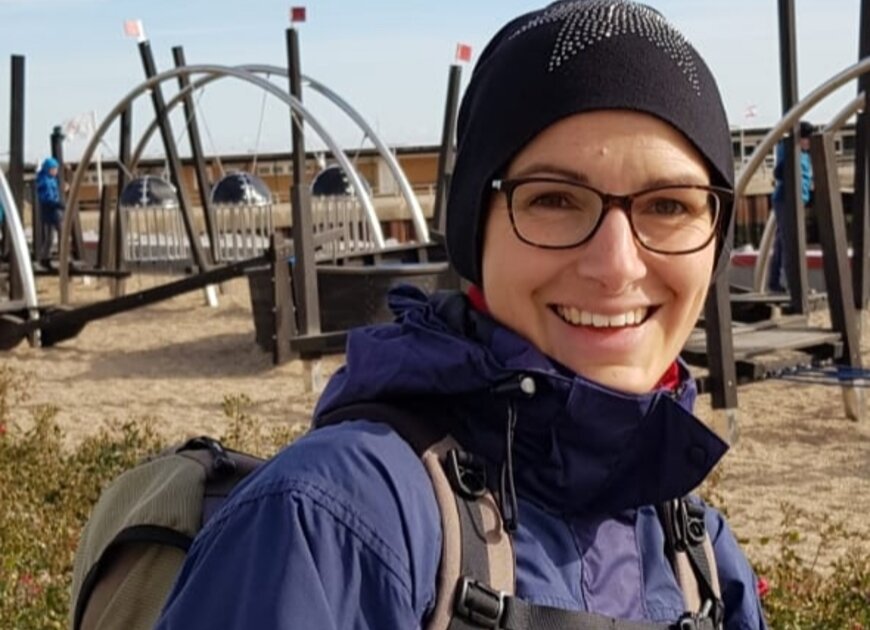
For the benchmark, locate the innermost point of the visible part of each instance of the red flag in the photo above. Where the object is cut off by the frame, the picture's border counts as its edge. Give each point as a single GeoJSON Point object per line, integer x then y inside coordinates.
{"type": "Point", "coordinates": [297, 14]}
{"type": "Point", "coordinates": [463, 52]}
{"type": "Point", "coordinates": [133, 28]}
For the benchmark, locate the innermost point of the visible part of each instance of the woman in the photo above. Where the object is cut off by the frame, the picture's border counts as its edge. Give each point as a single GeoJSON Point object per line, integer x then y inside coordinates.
{"type": "Point", "coordinates": [589, 206]}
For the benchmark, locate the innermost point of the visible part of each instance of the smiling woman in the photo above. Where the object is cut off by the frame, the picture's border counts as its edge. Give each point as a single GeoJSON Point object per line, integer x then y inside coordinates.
{"type": "Point", "coordinates": [604, 270]}
{"type": "Point", "coordinates": [589, 199]}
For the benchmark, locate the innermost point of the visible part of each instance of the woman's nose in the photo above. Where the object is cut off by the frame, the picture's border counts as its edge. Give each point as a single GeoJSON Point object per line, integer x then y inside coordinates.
{"type": "Point", "coordinates": [612, 257]}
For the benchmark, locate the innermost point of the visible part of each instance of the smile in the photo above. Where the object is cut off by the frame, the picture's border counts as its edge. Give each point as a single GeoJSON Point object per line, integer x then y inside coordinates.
{"type": "Point", "coordinates": [577, 317]}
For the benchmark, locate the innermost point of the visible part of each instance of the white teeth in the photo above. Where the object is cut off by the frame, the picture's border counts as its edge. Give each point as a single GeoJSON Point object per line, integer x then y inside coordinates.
{"type": "Point", "coordinates": [575, 316]}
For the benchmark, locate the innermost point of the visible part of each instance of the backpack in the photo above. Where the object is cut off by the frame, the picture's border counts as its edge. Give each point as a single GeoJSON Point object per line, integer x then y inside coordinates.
{"type": "Point", "coordinates": [136, 539]}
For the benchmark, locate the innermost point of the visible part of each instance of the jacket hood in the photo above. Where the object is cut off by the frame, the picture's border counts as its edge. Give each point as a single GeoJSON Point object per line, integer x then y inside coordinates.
{"type": "Point", "coordinates": [48, 164]}
{"type": "Point", "coordinates": [578, 446]}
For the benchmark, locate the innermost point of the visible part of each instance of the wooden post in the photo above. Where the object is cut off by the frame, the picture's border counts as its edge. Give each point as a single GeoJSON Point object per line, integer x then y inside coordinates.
{"type": "Point", "coordinates": [284, 315]}
{"type": "Point", "coordinates": [175, 171]}
{"type": "Point", "coordinates": [56, 140]}
{"type": "Point", "coordinates": [304, 272]}
{"type": "Point", "coordinates": [198, 155]}
{"type": "Point", "coordinates": [720, 355]}
{"type": "Point", "coordinates": [861, 198]}
{"type": "Point", "coordinates": [835, 259]}
{"type": "Point", "coordinates": [119, 234]}
{"type": "Point", "coordinates": [447, 150]}
{"type": "Point", "coordinates": [792, 223]}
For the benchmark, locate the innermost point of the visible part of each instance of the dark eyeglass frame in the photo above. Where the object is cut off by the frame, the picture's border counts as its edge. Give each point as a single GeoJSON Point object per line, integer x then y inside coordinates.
{"type": "Point", "coordinates": [725, 197]}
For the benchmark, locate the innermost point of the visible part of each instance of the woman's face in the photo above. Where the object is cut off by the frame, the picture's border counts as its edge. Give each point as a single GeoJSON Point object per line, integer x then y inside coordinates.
{"type": "Point", "coordinates": [540, 292]}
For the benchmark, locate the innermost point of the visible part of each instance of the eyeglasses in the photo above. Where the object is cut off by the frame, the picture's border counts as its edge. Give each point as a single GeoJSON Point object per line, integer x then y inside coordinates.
{"type": "Point", "coordinates": [559, 214]}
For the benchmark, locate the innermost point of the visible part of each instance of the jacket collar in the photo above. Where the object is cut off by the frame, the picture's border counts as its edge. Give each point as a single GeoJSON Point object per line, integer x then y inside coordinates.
{"type": "Point", "coordinates": [578, 446]}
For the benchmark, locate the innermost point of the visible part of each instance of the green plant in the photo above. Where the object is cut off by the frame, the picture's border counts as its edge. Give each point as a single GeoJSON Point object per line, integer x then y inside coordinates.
{"type": "Point", "coordinates": [245, 433]}
{"type": "Point", "coordinates": [797, 593]}
{"type": "Point", "coordinates": [46, 493]}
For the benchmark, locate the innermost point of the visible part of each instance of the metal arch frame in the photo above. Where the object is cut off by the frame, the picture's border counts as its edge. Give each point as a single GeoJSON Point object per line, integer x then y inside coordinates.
{"type": "Point", "coordinates": [420, 227]}
{"type": "Point", "coordinates": [19, 247]}
{"type": "Point", "coordinates": [788, 121]}
{"type": "Point", "coordinates": [219, 70]}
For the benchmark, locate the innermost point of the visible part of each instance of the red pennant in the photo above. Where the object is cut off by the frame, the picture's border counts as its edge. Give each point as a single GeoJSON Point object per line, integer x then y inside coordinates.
{"type": "Point", "coordinates": [463, 52]}
{"type": "Point", "coordinates": [297, 14]}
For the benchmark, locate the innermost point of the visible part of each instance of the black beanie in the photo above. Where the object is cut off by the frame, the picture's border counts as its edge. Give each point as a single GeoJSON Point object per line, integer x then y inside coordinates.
{"type": "Point", "coordinates": [570, 57]}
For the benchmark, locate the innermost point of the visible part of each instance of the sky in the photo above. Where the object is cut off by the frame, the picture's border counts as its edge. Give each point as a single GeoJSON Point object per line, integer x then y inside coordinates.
{"type": "Point", "coordinates": [388, 58]}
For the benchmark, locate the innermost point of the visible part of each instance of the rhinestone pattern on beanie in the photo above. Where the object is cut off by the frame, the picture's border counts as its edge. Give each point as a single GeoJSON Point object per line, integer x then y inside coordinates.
{"type": "Point", "coordinates": [587, 22]}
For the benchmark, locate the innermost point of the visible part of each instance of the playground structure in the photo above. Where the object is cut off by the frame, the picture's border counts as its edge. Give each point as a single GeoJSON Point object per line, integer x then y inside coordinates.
{"type": "Point", "coordinates": [742, 352]}
{"type": "Point", "coordinates": [304, 307]}
{"type": "Point", "coordinates": [152, 223]}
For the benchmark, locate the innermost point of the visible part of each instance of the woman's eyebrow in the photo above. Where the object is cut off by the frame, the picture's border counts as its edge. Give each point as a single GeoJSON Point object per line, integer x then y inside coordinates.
{"type": "Point", "coordinates": [676, 180]}
{"type": "Point", "coordinates": [543, 169]}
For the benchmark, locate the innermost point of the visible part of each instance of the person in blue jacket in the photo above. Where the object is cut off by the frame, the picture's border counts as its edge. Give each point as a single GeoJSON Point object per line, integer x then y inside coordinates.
{"type": "Point", "coordinates": [776, 280]}
{"type": "Point", "coordinates": [589, 209]}
{"type": "Point", "coordinates": [51, 207]}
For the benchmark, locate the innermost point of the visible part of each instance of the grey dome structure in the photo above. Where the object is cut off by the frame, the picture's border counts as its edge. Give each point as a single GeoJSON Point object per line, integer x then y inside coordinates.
{"type": "Point", "coordinates": [149, 191]}
{"type": "Point", "coordinates": [241, 188]}
{"type": "Point", "coordinates": [242, 205]}
{"type": "Point", "coordinates": [332, 182]}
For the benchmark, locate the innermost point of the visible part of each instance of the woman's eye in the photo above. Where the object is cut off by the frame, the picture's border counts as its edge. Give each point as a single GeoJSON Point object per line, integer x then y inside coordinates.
{"type": "Point", "coordinates": [552, 200]}
{"type": "Point", "coordinates": [667, 207]}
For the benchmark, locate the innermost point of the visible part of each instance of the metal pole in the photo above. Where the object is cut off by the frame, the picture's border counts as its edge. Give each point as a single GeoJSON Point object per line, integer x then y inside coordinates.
{"type": "Point", "coordinates": [304, 269]}
{"type": "Point", "coordinates": [172, 158]}
{"type": "Point", "coordinates": [861, 199]}
{"type": "Point", "coordinates": [447, 151]}
{"type": "Point", "coordinates": [198, 156]}
{"type": "Point", "coordinates": [16, 163]}
{"type": "Point", "coordinates": [792, 223]}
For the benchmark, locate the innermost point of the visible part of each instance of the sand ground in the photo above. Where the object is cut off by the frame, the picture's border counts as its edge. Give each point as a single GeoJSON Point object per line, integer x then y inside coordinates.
{"type": "Point", "coordinates": [173, 363]}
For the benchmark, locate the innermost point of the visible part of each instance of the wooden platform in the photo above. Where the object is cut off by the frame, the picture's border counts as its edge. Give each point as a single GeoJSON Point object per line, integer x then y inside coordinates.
{"type": "Point", "coordinates": [751, 306]}
{"type": "Point", "coordinates": [763, 351]}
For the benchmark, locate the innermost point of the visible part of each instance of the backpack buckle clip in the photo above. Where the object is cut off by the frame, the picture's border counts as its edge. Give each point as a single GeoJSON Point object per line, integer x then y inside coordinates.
{"type": "Point", "coordinates": [466, 474]}
{"type": "Point", "coordinates": [689, 526]}
{"type": "Point", "coordinates": [479, 603]}
{"type": "Point", "coordinates": [687, 622]}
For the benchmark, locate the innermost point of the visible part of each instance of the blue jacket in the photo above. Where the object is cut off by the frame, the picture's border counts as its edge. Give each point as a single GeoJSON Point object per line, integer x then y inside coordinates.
{"type": "Point", "coordinates": [47, 190]}
{"type": "Point", "coordinates": [341, 529]}
{"type": "Point", "coordinates": [806, 174]}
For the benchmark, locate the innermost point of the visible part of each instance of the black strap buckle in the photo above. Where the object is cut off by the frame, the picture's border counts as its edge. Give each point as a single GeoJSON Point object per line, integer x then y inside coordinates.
{"type": "Point", "coordinates": [687, 622]}
{"type": "Point", "coordinates": [222, 464]}
{"type": "Point", "coordinates": [479, 603]}
{"type": "Point", "coordinates": [466, 474]}
{"type": "Point", "coordinates": [711, 616]}
{"type": "Point", "coordinates": [689, 526]}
